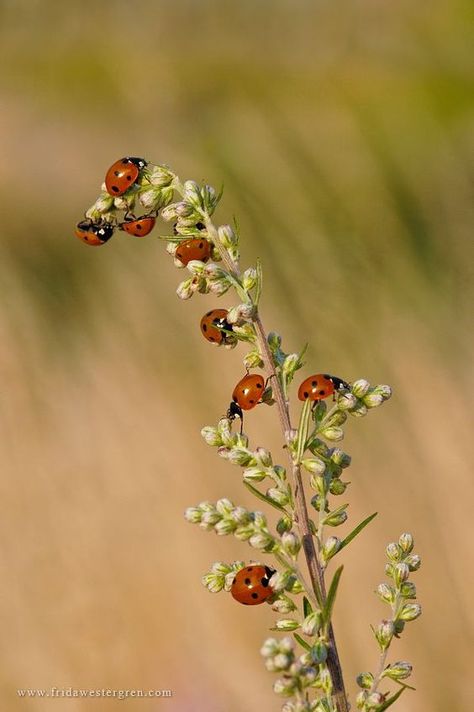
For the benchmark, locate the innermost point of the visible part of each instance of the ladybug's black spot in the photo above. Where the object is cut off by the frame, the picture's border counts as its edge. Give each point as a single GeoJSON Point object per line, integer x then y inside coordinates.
{"type": "Point", "coordinates": [326, 375]}
{"type": "Point", "coordinates": [139, 227]}
{"type": "Point", "coordinates": [116, 173]}
{"type": "Point", "coordinates": [247, 582]}
{"type": "Point", "coordinates": [322, 392]}
{"type": "Point", "coordinates": [211, 338]}
{"type": "Point", "coordinates": [306, 394]}
{"type": "Point", "coordinates": [233, 582]}
{"type": "Point", "coordinates": [204, 327]}
{"type": "Point", "coordinates": [314, 383]}
{"type": "Point", "coordinates": [201, 245]}
{"type": "Point", "coordinates": [269, 571]}
{"type": "Point", "coordinates": [251, 401]}
{"type": "Point", "coordinates": [254, 595]}
{"type": "Point", "coordinates": [249, 568]}
{"type": "Point", "coordinates": [129, 178]}
{"type": "Point", "coordinates": [264, 582]}
{"type": "Point", "coordinates": [209, 313]}
{"type": "Point", "coordinates": [258, 385]}
{"type": "Point", "coordinates": [115, 189]}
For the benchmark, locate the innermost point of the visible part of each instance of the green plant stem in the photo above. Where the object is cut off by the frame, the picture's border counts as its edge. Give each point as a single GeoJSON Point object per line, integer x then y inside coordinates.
{"type": "Point", "coordinates": [302, 519]}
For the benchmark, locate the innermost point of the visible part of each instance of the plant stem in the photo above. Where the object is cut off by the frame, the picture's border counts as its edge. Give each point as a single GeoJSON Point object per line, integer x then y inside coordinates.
{"type": "Point", "coordinates": [302, 519]}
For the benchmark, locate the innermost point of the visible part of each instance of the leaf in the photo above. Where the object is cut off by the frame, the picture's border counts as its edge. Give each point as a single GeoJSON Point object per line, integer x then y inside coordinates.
{"type": "Point", "coordinates": [303, 429]}
{"type": "Point", "coordinates": [388, 703]}
{"type": "Point", "coordinates": [264, 497]}
{"type": "Point", "coordinates": [258, 288]}
{"type": "Point", "coordinates": [307, 608]}
{"type": "Point", "coordinates": [357, 530]}
{"type": "Point", "coordinates": [302, 642]}
{"type": "Point", "coordinates": [331, 597]}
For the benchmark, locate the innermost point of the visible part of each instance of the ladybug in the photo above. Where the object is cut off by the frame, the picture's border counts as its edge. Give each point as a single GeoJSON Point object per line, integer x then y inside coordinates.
{"type": "Point", "coordinates": [212, 323]}
{"type": "Point", "coordinates": [251, 585]}
{"type": "Point", "coordinates": [320, 386]}
{"type": "Point", "coordinates": [248, 391]}
{"type": "Point", "coordinates": [94, 234]}
{"type": "Point", "coordinates": [122, 174]}
{"type": "Point", "coordinates": [194, 249]}
{"type": "Point", "coordinates": [139, 227]}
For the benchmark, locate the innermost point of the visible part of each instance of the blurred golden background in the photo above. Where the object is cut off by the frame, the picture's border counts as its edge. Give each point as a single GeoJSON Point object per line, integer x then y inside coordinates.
{"type": "Point", "coordinates": [343, 135]}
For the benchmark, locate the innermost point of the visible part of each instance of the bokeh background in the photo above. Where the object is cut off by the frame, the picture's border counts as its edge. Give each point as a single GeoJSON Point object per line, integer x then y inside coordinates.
{"type": "Point", "coordinates": [343, 135]}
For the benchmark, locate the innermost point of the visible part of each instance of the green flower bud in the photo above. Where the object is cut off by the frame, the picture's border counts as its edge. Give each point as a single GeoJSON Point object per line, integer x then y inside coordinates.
{"type": "Point", "coordinates": [394, 553]}
{"type": "Point", "coordinates": [193, 515]}
{"type": "Point", "coordinates": [336, 419]}
{"type": "Point", "coordinates": [331, 547]}
{"type": "Point", "coordinates": [210, 519]}
{"type": "Point", "coordinates": [211, 436]}
{"type": "Point", "coordinates": [374, 700]}
{"type": "Point", "coordinates": [406, 543]}
{"type": "Point", "coordinates": [168, 213]}
{"type": "Point", "coordinates": [186, 289]}
{"type": "Point", "coordinates": [281, 661]}
{"type": "Point", "coordinates": [274, 340]}
{"type": "Point", "coordinates": [408, 590]}
{"type": "Point", "coordinates": [224, 506]}
{"type": "Point", "coordinates": [361, 698]}
{"type": "Point", "coordinates": [337, 487]}
{"type": "Point", "coordinates": [373, 400]}
{"type": "Point", "coordinates": [336, 519]}
{"type": "Point", "coordinates": [261, 541]}
{"type": "Point", "coordinates": [360, 411]}
{"type": "Point", "coordinates": [160, 175]}
{"type": "Point", "coordinates": [280, 580]}
{"type": "Point", "coordinates": [319, 652]}
{"type": "Point", "coordinates": [243, 533]}
{"type": "Point", "coordinates": [192, 194]}
{"type": "Point", "coordinates": [227, 236]}
{"type": "Point", "coordinates": [325, 681]}
{"type": "Point", "coordinates": [249, 278]}
{"type": "Point", "coordinates": [291, 543]}
{"type": "Point", "coordinates": [263, 457]}
{"type": "Point", "coordinates": [241, 456]}
{"type": "Point", "coordinates": [278, 496]}
{"type": "Point", "coordinates": [318, 483]}
{"type": "Point", "coordinates": [384, 633]}
{"type": "Point", "coordinates": [225, 527]}
{"type": "Point", "coordinates": [241, 517]}
{"type": "Point", "coordinates": [224, 428]}
{"type": "Point", "coordinates": [410, 612]}
{"type": "Point", "coordinates": [285, 686]}
{"type": "Point", "coordinates": [333, 434]}
{"type": "Point", "coordinates": [253, 360]}
{"type": "Point", "coordinates": [284, 524]}
{"type": "Point", "coordinates": [413, 562]}
{"type": "Point", "coordinates": [360, 387]}
{"type": "Point", "coordinates": [270, 648]}
{"type": "Point", "coordinates": [213, 582]}
{"type": "Point", "coordinates": [254, 474]}
{"type": "Point", "coordinates": [401, 573]}
{"type": "Point", "coordinates": [346, 401]}
{"type": "Point", "coordinates": [386, 593]}
{"type": "Point", "coordinates": [220, 567]}
{"type": "Point", "coordinates": [312, 623]}
{"type": "Point", "coordinates": [287, 624]}
{"type": "Point", "coordinates": [291, 365]}
{"type": "Point", "coordinates": [341, 458]}
{"type": "Point", "coordinates": [209, 198]}
{"type": "Point", "coordinates": [365, 680]}
{"type": "Point", "coordinates": [384, 390]}
{"type": "Point", "coordinates": [318, 447]}
{"type": "Point", "coordinates": [400, 670]}
{"type": "Point", "coordinates": [283, 605]}
{"type": "Point", "coordinates": [314, 465]}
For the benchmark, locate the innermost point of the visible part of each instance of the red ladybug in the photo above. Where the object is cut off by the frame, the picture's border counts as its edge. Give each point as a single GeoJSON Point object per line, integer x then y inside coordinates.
{"type": "Point", "coordinates": [94, 234]}
{"type": "Point", "coordinates": [212, 323]}
{"type": "Point", "coordinates": [139, 227]}
{"type": "Point", "coordinates": [320, 386]}
{"type": "Point", "coordinates": [251, 585]}
{"type": "Point", "coordinates": [122, 174]}
{"type": "Point", "coordinates": [248, 391]}
{"type": "Point", "coordinates": [194, 249]}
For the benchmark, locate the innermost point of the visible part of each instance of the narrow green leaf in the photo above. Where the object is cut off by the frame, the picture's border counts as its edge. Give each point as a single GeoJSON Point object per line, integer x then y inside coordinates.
{"type": "Point", "coordinates": [307, 608]}
{"type": "Point", "coordinates": [258, 287]}
{"type": "Point", "coordinates": [264, 497]}
{"type": "Point", "coordinates": [334, 512]}
{"type": "Point", "coordinates": [303, 429]}
{"type": "Point", "coordinates": [331, 597]}
{"type": "Point", "coordinates": [302, 642]}
{"type": "Point", "coordinates": [357, 530]}
{"type": "Point", "coordinates": [388, 703]}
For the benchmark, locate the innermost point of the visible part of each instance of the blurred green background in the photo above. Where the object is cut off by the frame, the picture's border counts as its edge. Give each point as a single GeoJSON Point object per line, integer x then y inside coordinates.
{"type": "Point", "coordinates": [343, 135]}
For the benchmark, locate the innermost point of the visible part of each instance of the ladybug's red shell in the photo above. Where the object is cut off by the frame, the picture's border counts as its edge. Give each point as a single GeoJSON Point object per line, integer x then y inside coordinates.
{"type": "Point", "coordinates": [248, 391]}
{"type": "Point", "coordinates": [209, 323]}
{"type": "Point", "coordinates": [139, 227]}
{"type": "Point", "coordinates": [194, 249]}
{"type": "Point", "coordinates": [94, 235]}
{"type": "Point", "coordinates": [320, 386]}
{"type": "Point", "coordinates": [251, 585]}
{"type": "Point", "coordinates": [122, 174]}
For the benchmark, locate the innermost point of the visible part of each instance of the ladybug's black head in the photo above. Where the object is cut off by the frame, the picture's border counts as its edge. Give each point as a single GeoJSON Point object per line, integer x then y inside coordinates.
{"type": "Point", "coordinates": [234, 411]}
{"type": "Point", "coordinates": [104, 232]}
{"type": "Point", "coordinates": [84, 225]}
{"type": "Point", "coordinates": [339, 384]}
{"type": "Point", "coordinates": [138, 162]}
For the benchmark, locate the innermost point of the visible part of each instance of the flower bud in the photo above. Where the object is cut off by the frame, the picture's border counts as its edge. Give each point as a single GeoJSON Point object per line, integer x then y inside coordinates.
{"type": "Point", "coordinates": [285, 686]}
{"type": "Point", "coordinates": [227, 236]}
{"type": "Point", "coordinates": [287, 624]}
{"type": "Point", "coordinates": [341, 458]}
{"type": "Point", "coordinates": [410, 612]}
{"type": "Point", "coordinates": [243, 533]}
{"type": "Point", "coordinates": [210, 518]}
{"type": "Point", "coordinates": [193, 515]}
{"type": "Point", "coordinates": [386, 593]}
{"type": "Point", "coordinates": [186, 289]}
{"type": "Point", "coordinates": [254, 474]}
{"type": "Point", "coordinates": [312, 623]}
{"type": "Point", "coordinates": [220, 567]}
{"type": "Point", "coordinates": [384, 391]}
{"type": "Point", "coordinates": [337, 487]}
{"type": "Point", "coordinates": [314, 465]}
{"type": "Point", "coordinates": [384, 633]}
{"type": "Point", "coordinates": [270, 648]}
{"type": "Point", "coordinates": [336, 519]}
{"type": "Point", "coordinates": [283, 605]}
{"type": "Point", "coordinates": [374, 700]}
{"type": "Point", "coordinates": [325, 680]}
{"type": "Point", "coordinates": [274, 340]}
{"type": "Point", "coordinates": [241, 516]}
{"type": "Point", "coordinates": [331, 547]}
{"type": "Point", "coordinates": [261, 541]}
{"type": "Point", "coordinates": [413, 562]}
{"type": "Point", "coordinates": [225, 527]}
{"type": "Point", "coordinates": [373, 400]}
{"type": "Point", "coordinates": [161, 176]}
{"type": "Point", "coordinates": [360, 387]}
{"type": "Point", "coordinates": [333, 434]}
{"type": "Point", "coordinates": [401, 574]}
{"type": "Point", "coordinates": [224, 506]}
{"type": "Point", "coordinates": [278, 496]}
{"type": "Point", "coordinates": [346, 401]}
{"type": "Point", "coordinates": [241, 456]}
{"type": "Point", "coordinates": [241, 311]}
{"type": "Point", "coordinates": [263, 457]}
{"type": "Point", "coordinates": [291, 543]}
{"type": "Point", "coordinates": [365, 680]}
{"type": "Point", "coordinates": [360, 699]}
{"type": "Point", "coordinates": [211, 436]}
{"type": "Point", "coordinates": [282, 661]}
{"type": "Point", "coordinates": [394, 553]}
{"type": "Point", "coordinates": [253, 360]}
{"type": "Point", "coordinates": [408, 590]}
{"type": "Point", "coordinates": [290, 364]}
{"type": "Point", "coordinates": [192, 194]}
{"type": "Point", "coordinates": [249, 278]}
{"type": "Point", "coordinates": [318, 447]}
{"type": "Point", "coordinates": [317, 483]}
{"type": "Point", "coordinates": [213, 582]}
{"type": "Point", "coordinates": [284, 524]}
{"type": "Point", "coordinates": [400, 670]}
{"type": "Point", "coordinates": [319, 652]}
{"type": "Point", "coordinates": [280, 580]}
{"type": "Point", "coordinates": [406, 543]}
{"type": "Point", "coordinates": [360, 411]}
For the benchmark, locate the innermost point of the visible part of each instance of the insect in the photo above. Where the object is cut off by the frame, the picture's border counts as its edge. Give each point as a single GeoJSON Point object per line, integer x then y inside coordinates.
{"type": "Point", "coordinates": [320, 386]}
{"type": "Point", "coordinates": [212, 324]}
{"type": "Point", "coordinates": [246, 395]}
{"type": "Point", "coordinates": [139, 227]}
{"type": "Point", "coordinates": [251, 585]}
{"type": "Point", "coordinates": [195, 249]}
{"type": "Point", "coordinates": [122, 174]}
{"type": "Point", "coordinates": [94, 234]}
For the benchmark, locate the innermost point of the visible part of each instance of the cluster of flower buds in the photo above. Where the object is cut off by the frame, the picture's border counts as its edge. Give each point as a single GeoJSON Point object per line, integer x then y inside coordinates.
{"type": "Point", "coordinates": [399, 595]}
{"type": "Point", "coordinates": [296, 674]}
